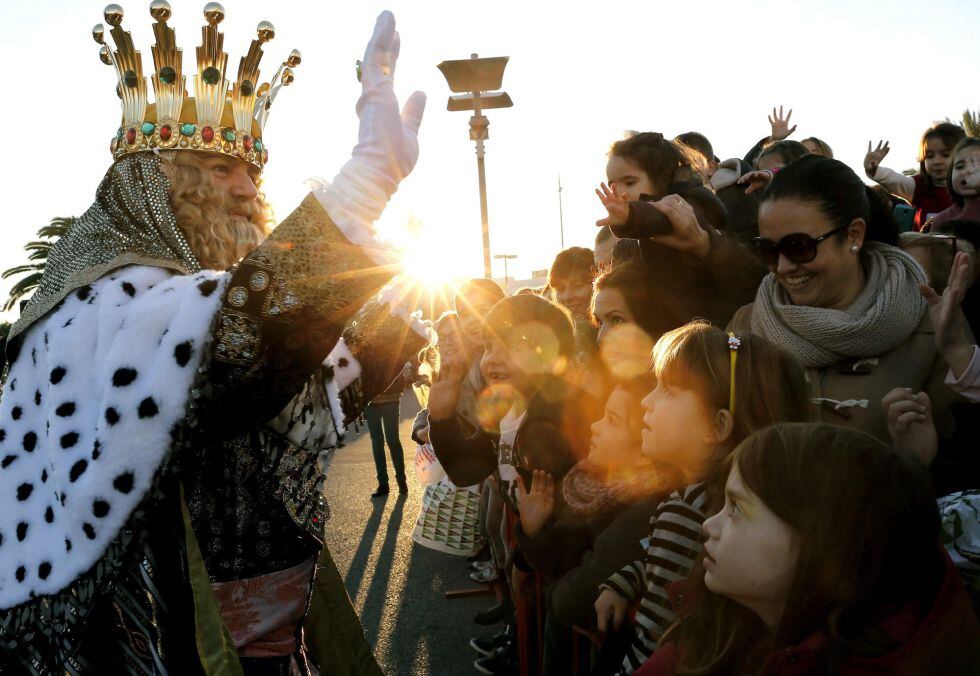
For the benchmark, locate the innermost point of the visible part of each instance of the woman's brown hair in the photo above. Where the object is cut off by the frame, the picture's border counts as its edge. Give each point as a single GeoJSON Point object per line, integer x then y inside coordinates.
{"type": "Point", "coordinates": [632, 281]}
{"type": "Point", "coordinates": [868, 527]}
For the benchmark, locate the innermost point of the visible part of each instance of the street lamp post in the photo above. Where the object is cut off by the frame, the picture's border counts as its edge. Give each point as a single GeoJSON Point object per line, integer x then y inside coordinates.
{"type": "Point", "coordinates": [505, 258]}
{"type": "Point", "coordinates": [474, 79]}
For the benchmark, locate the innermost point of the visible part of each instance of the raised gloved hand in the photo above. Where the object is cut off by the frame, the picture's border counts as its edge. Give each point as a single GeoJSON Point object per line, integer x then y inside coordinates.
{"type": "Point", "coordinates": [387, 142]}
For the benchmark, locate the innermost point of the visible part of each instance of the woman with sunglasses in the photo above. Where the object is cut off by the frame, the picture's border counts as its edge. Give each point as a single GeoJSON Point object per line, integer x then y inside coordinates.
{"type": "Point", "coordinates": [841, 297]}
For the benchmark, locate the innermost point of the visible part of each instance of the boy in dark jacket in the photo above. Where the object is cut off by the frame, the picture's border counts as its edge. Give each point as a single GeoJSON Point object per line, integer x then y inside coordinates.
{"type": "Point", "coordinates": [531, 417]}
{"type": "Point", "coordinates": [542, 420]}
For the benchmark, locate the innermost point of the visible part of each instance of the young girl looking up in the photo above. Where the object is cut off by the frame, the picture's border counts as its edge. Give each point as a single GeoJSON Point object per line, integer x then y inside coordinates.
{"type": "Point", "coordinates": [588, 525]}
{"type": "Point", "coordinates": [693, 419]}
{"type": "Point", "coordinates": [554, 532]}
{"type": "Point", "coordinates": [825, 558]}
{"type": "Point", "coordinates": [963, 183]}
{"type": "Point", "coordinates": [927, 191]}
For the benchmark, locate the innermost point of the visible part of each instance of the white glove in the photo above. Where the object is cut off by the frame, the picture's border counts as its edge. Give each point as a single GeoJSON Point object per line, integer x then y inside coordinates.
{"type": "Point", "coordinates": [387, 142]}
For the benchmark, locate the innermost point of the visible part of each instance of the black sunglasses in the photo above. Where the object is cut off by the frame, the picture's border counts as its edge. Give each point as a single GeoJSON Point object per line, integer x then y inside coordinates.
{"type": "Point", "coordinates": [797, 247]}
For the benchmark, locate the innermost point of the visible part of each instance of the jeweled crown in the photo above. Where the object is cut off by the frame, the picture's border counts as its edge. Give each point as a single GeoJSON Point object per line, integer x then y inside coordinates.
{"type": "Point", "coordinates": [223, 117]}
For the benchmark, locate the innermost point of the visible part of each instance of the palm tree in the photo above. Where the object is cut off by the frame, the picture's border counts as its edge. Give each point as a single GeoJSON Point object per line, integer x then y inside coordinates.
{"type": "Point", "coordinates": [971, 123]}
{"type": "Point", "coordinates": [38, 251]}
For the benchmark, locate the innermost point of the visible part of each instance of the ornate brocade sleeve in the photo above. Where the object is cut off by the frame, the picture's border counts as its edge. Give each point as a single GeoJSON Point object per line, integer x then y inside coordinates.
{"type": "Point", "coordinates": [285, 308]}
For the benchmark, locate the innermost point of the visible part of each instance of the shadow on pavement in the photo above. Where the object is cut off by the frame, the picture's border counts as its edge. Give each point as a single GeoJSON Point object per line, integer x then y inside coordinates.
{"type": "Point", "coordinates": [377, 592]}
{"type": "Point", "coordinates": [358, 563]}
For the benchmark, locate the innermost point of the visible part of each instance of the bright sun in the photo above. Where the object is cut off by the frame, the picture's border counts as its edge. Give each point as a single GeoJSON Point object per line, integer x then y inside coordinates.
{"type": "Point", "coordinates": [433, 263]}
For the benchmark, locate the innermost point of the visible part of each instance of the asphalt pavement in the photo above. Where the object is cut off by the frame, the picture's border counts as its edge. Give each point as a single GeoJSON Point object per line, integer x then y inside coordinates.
{"type": "Point", "coordinates": [397, 585]}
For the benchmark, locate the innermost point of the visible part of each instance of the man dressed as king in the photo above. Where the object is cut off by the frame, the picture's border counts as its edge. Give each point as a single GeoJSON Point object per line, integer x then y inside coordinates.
{"type": "Point", "coordinates": [174, 386]}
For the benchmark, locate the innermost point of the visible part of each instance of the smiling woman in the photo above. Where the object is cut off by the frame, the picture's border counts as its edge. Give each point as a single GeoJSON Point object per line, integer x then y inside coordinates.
{"type": "Point", "coordinates": [840, 298]}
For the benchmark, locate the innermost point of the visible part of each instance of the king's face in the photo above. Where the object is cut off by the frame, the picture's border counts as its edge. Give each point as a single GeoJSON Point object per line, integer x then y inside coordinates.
{"type": "Point", "coordinates": [235, 179]}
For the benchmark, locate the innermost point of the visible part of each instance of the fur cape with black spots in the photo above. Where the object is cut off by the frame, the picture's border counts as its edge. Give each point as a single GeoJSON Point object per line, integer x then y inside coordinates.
{"type": "Point", "coordinates": [88, 406]}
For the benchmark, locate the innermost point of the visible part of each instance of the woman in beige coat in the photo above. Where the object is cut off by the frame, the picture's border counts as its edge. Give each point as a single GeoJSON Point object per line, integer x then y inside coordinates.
{"type": "Point", "coordinates": [842, 298]}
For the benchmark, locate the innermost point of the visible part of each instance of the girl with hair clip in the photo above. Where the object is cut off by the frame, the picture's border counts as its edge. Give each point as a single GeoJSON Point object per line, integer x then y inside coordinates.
{"type": "Point", "coordinates": [841, 298]}
{"type": "Point", "coordinates": [928, 190]}
{"type": "Point", "coordinates": [655, 196]}
{"type": "Point", "coordinates": [713, 390]}
{"type": "Point", "coordinates": [823, 559]}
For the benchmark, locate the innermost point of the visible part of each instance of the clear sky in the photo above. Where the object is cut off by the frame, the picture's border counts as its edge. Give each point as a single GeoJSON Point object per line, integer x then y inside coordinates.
{"type": "Point", "coordinates": [579, 74]}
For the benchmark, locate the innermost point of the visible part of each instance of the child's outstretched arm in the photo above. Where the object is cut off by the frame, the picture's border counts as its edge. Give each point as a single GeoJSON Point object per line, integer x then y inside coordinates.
{"type": "Point", "coordinates": [468, 460]}
{"type": "Point", "coordinates": [894, 182]}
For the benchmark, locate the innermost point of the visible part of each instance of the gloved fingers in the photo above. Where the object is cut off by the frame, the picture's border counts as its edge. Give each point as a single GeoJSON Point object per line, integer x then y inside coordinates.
{"type": "Point", "coordinates": [378, 54]}
{"type": "Point", "coordinates": [396, 45]}
{"type": "Point", "coordinates": [413, 110]}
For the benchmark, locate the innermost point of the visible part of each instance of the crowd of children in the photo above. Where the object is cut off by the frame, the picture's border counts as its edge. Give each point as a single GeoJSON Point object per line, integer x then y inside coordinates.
{"type": "Point", "coordinates": [740, 435]}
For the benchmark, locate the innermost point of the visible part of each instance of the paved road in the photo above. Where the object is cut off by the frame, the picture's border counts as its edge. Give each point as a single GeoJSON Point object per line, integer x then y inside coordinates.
{"type": "Point", "coordinates": [397, 586]}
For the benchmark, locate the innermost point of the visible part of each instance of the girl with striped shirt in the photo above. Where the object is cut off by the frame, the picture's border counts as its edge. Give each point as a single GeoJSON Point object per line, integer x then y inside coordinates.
{"type": "Point", "coordinates": [712, 392]}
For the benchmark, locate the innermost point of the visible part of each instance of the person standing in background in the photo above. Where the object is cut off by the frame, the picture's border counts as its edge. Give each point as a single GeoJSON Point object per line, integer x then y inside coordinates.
{"type": "Point", "coordinates": [382, 416]}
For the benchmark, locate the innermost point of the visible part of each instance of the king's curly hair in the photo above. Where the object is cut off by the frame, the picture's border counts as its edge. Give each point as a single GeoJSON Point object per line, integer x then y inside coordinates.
{"type": "Point", "coordinates": [202, 213]}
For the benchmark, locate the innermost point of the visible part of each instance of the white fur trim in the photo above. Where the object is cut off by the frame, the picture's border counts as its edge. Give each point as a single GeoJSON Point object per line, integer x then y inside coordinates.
{"type": "Point", "coordinates": [132, 344]}
{"type": "Point", "coordinates": [346, 368]}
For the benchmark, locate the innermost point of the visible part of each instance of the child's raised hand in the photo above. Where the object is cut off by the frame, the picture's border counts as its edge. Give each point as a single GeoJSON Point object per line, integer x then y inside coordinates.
{"type": "Point", "coordinates": [909, 419]}
{"type": "Point", "coordinates": [617, 205]}
{"type": "Point", "coordinates": [779, 125]}
{"type": "Point", "coordinates": [535, 506]}
{"type": "Point", "coordinates": [757, 180]}
{"type": "Point", "coordinates": [444, 393]}
{"type": "Point", "coordinates": [952, 332]}
{"type": "Point", "coordinates": [874, 157]}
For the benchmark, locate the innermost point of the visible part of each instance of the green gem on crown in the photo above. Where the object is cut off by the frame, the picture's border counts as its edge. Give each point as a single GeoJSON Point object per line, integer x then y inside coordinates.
{"type": "Point", "coordinates": [147, 128]}
{"type": "Point", "coordinates": [228, 135]}
{"type": "Point", "coordinates": [188, 129]}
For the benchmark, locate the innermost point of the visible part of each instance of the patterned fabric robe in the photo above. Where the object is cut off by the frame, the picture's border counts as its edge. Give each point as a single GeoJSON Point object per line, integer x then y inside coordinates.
{"type": "Point", "coordinates": [242, 466]}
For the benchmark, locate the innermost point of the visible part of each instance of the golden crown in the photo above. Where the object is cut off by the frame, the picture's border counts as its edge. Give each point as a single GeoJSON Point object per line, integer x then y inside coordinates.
{"type": "Point", "coordinates": [219, 118]}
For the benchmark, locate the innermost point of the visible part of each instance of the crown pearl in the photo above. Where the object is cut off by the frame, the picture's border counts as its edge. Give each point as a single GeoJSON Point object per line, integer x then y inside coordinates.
{"type": "Point", "coordinates": [98, 33]}
{"type": "Point", "coordinates": [294, 58]}
{"type": "Point", "coordinates": [113, 14]}
{"type": "Point", "coordinates": [160, 10]}
{"type": "Point", "coordinates": [105, 55]}
{"type": "Point", "coordinates": [214, 12]}
{"type": "Point", "coordinates": [266, 31]}
{"type": "Point", "coordinates": [287, 77]}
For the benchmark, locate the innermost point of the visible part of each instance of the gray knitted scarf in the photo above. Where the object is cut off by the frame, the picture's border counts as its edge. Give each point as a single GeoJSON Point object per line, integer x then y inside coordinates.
{"type": "Point", "coordinates": [889, 308]}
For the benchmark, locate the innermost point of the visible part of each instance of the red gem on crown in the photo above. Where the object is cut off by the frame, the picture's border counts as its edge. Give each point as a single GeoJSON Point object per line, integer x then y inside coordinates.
{"type": "Point", "coordinates": [207, 134]}
{"type": "Point", "coordinates": [165, 132]}
{"type": "Point", "coordinates": [131, 135]}
{"type": "Point", "coordinates": [247, 142]}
